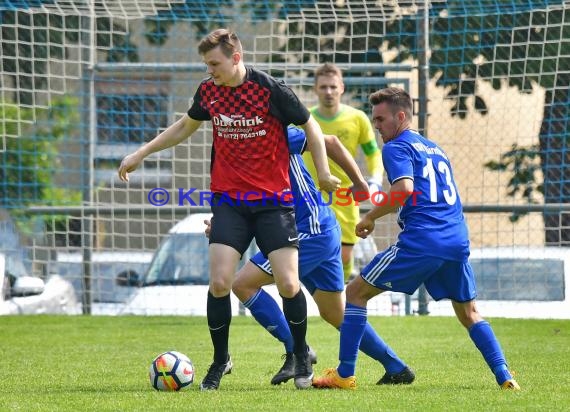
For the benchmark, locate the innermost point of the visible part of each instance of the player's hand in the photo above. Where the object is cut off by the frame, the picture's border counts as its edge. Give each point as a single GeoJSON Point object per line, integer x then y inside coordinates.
{"type": "Point", "coordinates": [360, 191]}
{"type": "Point", "coordinates": [128, 165]}
{"type": "Point", "coordinates": [329, 184]}
{"type": "Point", "coordinates": [208, 228]}
{"type": "Point", "coordinates": [364, 227]}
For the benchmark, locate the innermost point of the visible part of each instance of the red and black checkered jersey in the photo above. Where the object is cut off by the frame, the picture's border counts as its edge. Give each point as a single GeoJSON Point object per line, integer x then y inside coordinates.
{"type": "Point", "coordinates": [250, 153]}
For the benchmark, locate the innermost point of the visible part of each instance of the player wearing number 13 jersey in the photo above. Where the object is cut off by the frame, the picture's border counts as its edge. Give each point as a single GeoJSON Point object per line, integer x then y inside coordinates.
{"type": "Point", "coordinates": [432, 222]}
{"type": "Point", "coordinates": [432, 248]}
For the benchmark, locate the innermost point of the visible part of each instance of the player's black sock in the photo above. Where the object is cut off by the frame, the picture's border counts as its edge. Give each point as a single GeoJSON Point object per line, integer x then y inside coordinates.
{"type": "Point", "coordinates": [295, 310]}
{"type": "Point", "coordinates": [219, 318]}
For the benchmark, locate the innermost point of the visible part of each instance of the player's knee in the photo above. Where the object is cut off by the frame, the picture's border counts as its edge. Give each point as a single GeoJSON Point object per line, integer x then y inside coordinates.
{"type": "Point", "coordinates": [220, 286]}
{"type": "Point", "coordinates": [288, 288]}
{"type": "Point", "coordinates": [467, 321]}
{"type": "Point", "coordinates": [472, 318]}
{"type": "Point", "coordinates": [242, 289]}
{"type": "Point", "coordinates": [467, 313]}
{"type": "Point", "coordinates": [352, 292]}
{"type": "Point", "coordinates": [357, 293]}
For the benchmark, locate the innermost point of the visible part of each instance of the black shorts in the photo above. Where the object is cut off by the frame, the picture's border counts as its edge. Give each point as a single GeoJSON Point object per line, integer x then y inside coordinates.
{"type": "Point", "coordinates": [271, 224]}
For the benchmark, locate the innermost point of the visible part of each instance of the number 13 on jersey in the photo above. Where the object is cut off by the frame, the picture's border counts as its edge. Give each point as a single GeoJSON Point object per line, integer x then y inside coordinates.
{"type": "Point", "coordinates": [449, 192]}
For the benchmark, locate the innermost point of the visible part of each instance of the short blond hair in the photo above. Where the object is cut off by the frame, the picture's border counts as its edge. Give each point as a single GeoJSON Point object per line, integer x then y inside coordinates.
{"type": "Point", "coordinates": [328, 69]}
{"type": "Point", "coordinates": [227, 40]}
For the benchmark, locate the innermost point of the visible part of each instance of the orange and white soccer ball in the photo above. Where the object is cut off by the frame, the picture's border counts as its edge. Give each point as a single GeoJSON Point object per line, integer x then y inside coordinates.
{"type": "Point", "coordinates": [171, 371]}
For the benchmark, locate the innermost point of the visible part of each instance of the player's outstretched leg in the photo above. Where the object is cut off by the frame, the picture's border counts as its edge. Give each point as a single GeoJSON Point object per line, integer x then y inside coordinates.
{"type": "Point", "coordinates": [482, 335]}
{"type": "Point", "coordinates": [485, 340]}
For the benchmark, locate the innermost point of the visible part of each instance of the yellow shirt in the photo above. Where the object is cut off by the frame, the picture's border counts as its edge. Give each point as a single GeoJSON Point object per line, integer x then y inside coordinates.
{"type": "Point", "coordinates": [353, 128]}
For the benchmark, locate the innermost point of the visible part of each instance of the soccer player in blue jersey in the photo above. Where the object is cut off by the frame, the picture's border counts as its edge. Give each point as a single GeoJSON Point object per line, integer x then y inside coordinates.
{"type": "Point", "coordinates": [320, 263]}
{"type": "Point", "coordinates": [432, 248]}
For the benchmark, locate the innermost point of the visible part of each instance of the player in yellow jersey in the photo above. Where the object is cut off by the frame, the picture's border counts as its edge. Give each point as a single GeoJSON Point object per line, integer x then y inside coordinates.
{"type": "Point", "coordinates": [353, 128]}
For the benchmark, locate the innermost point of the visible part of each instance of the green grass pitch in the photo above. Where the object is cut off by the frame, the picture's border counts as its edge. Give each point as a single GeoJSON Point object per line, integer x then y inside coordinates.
{"type": "Point", "coordinates": [82, 363]}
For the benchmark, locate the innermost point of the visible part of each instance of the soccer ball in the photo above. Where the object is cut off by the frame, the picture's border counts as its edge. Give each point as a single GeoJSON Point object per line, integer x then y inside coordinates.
{"type": "Point", "coordinates": [171, 371]}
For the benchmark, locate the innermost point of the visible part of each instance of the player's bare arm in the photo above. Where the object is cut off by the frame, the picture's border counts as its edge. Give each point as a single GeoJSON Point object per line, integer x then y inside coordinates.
{"type": "Point", "coordinates": [402, 189]}
{"type": "Point", "coordinates": [174, 134]}
{"type": "Point", "coordinates": [340, 155]}
{"type": "Point", "coordinates": [316, 146]}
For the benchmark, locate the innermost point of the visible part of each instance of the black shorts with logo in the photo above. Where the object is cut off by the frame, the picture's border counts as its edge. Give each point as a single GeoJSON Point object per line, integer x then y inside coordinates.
{"type": "Point", "coordinates": [235, 223]}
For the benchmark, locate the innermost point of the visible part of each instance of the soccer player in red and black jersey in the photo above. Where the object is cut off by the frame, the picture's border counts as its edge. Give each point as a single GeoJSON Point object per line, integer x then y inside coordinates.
{"type": "Point", "coordinates": [249, 111]}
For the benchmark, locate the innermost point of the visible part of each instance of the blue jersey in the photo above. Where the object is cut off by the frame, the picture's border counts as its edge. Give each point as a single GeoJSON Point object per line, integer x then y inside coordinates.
{"type": "Point", "coordinates": [312, 214]}
{"type": "Point", "coordinates": [432, 219]}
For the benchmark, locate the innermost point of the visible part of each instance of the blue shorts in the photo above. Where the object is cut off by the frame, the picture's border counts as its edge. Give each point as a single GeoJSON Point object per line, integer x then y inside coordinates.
{"type": "Point", "coordinates": [399, 270]}
{"type": "Point", "coordinates": [320, 261]}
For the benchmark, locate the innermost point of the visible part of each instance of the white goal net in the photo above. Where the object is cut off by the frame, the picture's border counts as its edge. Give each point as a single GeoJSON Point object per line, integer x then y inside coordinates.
{"type": "Point", "coordinates": [86, 82]}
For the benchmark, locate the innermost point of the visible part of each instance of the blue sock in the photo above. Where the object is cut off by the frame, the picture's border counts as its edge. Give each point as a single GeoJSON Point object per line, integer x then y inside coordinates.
{"type": "Point", "coordinates": [482, 335]}
{"type": "Point", "coordinates": [269, 315]}
{"type": "Point", "coordinates": [373, 345]}
{"type": "Point", "coordinates": [351, 332]}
